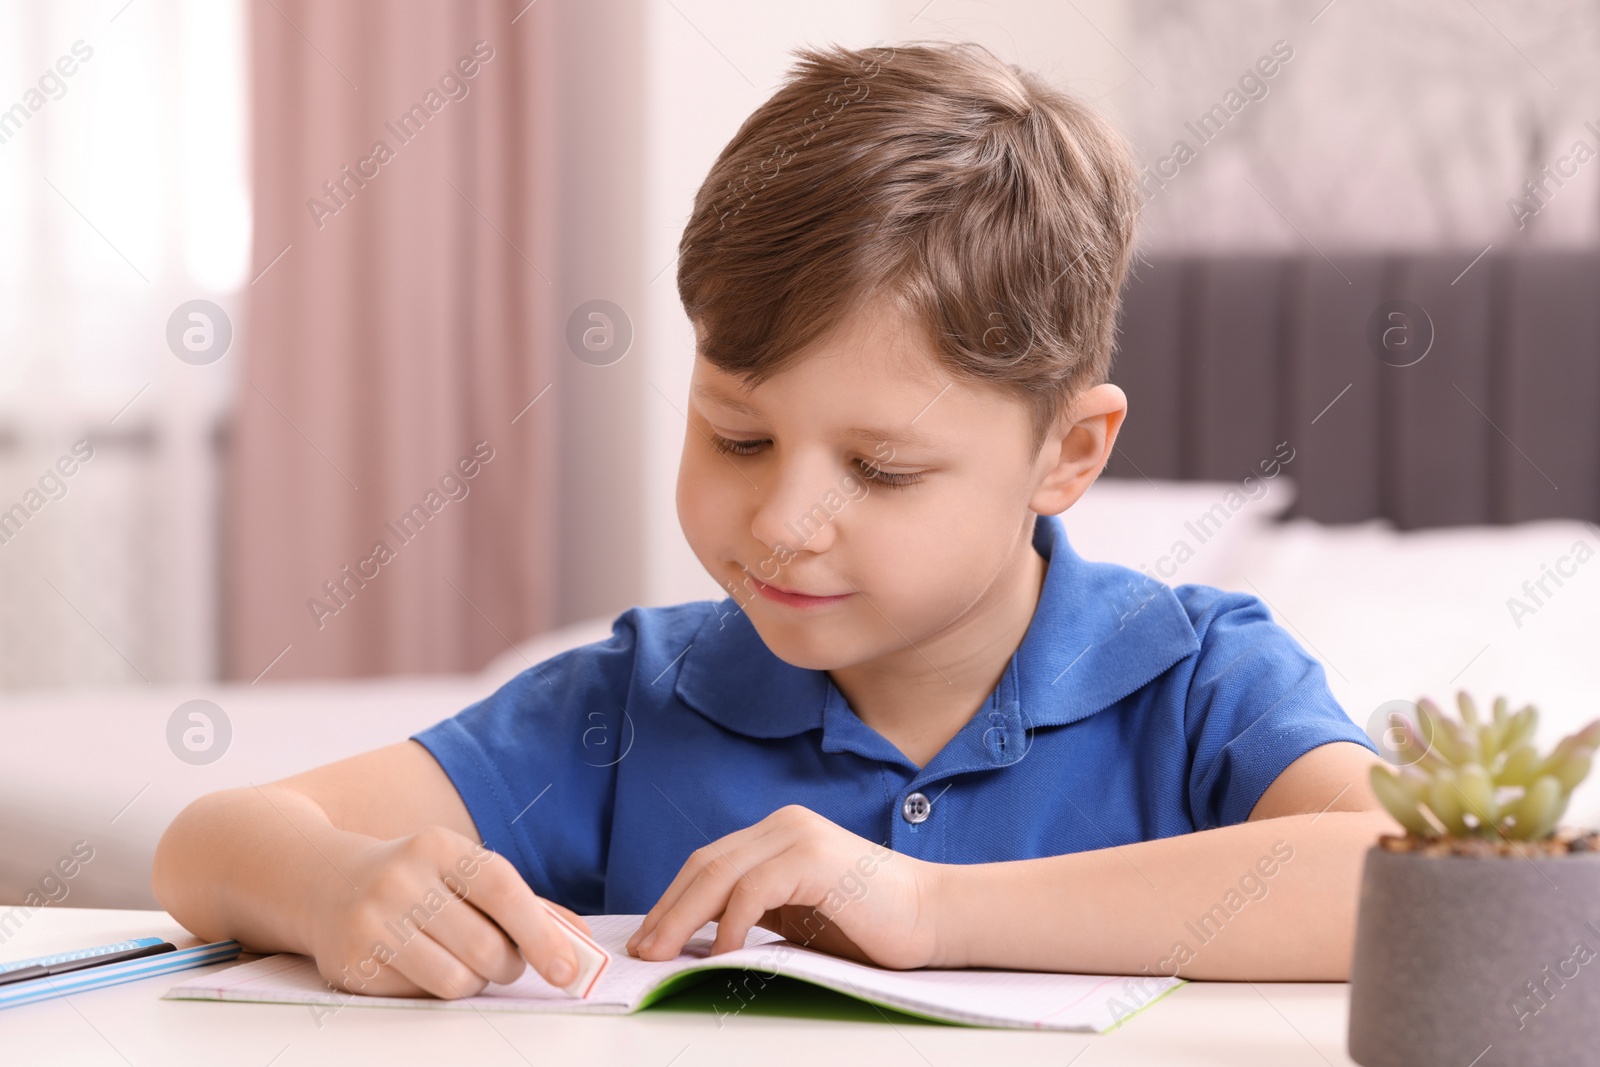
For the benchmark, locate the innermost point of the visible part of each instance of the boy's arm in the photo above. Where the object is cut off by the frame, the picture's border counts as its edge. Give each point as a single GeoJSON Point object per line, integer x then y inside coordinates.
{"type": "Point", "coordinates": [1271, 899]}
{"type": "Point", "coordinates": [251, 863]}
{"type": "Point", "coordinates": [1199, 905]}
{"type": "Point", "coordinates": [373, 866]}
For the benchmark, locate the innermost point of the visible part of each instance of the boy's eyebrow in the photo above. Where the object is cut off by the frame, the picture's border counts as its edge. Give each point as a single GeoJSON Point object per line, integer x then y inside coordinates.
{"type": "Point", "coordinates": [904, 436]}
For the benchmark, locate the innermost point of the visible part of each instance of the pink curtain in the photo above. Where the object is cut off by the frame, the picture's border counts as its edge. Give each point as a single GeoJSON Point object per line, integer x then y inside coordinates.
{"type": "Point", "coordinates": [390, 506]}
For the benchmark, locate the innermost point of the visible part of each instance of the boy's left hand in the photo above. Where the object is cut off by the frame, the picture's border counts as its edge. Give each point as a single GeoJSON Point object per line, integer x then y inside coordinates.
{"type": "Point", "coordinates": [809, 879]}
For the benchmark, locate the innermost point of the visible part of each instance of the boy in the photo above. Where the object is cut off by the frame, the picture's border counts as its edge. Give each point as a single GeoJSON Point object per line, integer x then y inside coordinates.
{"type": "Point", "coordinates": [921, 731]}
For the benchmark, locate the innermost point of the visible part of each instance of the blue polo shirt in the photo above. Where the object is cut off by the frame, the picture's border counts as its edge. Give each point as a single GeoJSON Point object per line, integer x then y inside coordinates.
{"type": "Point", "coordinates": [1132, 710]}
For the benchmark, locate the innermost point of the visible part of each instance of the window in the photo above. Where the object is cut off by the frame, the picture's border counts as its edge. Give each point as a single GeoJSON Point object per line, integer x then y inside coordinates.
{"type": "Point", "coordinates": [123, 171]}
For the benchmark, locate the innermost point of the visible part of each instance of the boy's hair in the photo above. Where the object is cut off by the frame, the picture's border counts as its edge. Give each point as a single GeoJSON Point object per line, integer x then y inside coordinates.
{"type": "Point", "coordinates": [994, 209]}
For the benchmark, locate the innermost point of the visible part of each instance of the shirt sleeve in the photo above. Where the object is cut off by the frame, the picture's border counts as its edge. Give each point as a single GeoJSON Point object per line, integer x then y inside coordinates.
{"type": "Point", "coordinates": [1257, 702]}
{"type": "Point", "coordinates": [535, 764]}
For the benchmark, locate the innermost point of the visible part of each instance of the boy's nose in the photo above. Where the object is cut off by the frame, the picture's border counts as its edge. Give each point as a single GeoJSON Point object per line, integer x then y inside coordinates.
{"type": "Point", "coordinates": [793, 508]}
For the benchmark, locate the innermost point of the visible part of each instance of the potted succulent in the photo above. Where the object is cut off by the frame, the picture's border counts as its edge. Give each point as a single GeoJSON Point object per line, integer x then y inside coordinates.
{"type": "Point", "coordinates": [1478, 936]}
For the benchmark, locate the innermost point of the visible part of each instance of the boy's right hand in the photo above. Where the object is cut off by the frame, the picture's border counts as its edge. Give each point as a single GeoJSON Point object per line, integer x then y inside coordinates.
{"type": "Point", "coordinates": [433, 913]}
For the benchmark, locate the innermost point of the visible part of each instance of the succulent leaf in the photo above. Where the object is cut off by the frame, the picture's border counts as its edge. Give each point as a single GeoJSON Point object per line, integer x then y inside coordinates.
{"type": "Point", "coordinates": [1450, 741]}
{"type": "Point", "coordinates": [1481, 775]}
{"type": "Point", "coordinates": [1522, 727]}
{"type": "Point", "coordinates": [1428, 757]}
{"type": "Point", "coordinates": [1444, 800]}
{"type": "Point", "coordinates": [1537, 807]}
{"type": "Point", "coordinates": [1574, 768]}
{"type": "Point", "coordinates": [1399, 801]}
{"type": "Point", "coordinates": [1549, 825]}
{"type": "Point", "coordinates": [1589, 735]}
{"type": "Point", "coordinates": [1557, 754]}
{"type": "Point", "coordinates": [1413, 783]}
{"type": "Point", "coordinates": [1490, 737]}
{"type": "Point", "coordinates": [1477, 794]}
{"type": "Point", "coordinates": [1428, 718]}
{"type": "Point", "coordinates": [1520, 768]}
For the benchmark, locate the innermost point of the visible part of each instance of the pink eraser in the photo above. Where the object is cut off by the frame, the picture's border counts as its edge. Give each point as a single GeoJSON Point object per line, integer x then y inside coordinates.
{"type": "Point", "coordinates": [592, 959]}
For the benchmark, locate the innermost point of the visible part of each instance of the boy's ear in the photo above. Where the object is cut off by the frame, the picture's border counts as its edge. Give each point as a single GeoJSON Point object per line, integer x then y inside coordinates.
{"type": "Point", "coordinates": [1077, 449]}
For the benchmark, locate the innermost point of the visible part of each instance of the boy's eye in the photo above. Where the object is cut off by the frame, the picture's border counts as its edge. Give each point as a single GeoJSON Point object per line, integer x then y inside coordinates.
{"type": "Point", "coordinates": [738, 448]}
{"type": "Point", "coordinates": [870, 471]}
{"type": "Point", "coordinates": [877, 476]}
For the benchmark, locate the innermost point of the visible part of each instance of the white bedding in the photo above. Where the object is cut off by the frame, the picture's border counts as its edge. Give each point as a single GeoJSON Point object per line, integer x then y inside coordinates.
{"type": "Point", "coordinates": [1390, 615]}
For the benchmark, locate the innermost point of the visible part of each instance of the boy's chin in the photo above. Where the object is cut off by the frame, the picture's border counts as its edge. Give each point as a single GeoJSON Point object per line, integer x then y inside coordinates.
{"type": "Point", "coordinates": [818, 651]}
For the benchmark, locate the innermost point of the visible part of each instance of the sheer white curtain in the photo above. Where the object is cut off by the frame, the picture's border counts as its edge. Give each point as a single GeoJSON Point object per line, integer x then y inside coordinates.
{"type": "Point", "coordinates": [123, 194]}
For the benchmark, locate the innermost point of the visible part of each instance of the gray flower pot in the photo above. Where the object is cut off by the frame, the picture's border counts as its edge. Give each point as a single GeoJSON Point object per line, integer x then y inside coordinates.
{"type": "Point", "coordinates": [1483, 961]}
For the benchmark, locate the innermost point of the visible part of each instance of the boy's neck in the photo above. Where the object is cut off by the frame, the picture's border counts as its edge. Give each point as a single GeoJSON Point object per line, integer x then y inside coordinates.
{"type": "Point", "coordinates": [919, 698]}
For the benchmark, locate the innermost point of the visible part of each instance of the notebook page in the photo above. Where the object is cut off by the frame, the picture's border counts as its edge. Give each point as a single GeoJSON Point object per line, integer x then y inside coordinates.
{"type": "Point", "coordinates": [292, 979]}
{"type": "Point", "coordinates": [626, 980]}
{"type": "Point", "coordinates": [1018, 999]}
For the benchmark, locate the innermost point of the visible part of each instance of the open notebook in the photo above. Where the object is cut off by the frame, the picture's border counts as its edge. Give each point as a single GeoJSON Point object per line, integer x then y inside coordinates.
{"type": "Point", "coordinates": [1021, 999]}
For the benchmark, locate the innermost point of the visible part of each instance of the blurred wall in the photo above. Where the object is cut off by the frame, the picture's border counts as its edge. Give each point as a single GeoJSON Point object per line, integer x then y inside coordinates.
{"type": "Point", "coordinates": [604, 170]}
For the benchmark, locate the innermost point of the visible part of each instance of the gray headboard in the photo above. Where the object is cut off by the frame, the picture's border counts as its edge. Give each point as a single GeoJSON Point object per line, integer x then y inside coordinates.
{"type": "Point", "coordinates": [1224, 357]}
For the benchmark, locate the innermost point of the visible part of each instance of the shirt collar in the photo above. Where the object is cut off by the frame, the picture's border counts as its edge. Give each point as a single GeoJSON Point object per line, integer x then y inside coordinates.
{"type": "Point", "coordinates": [1100, 632]}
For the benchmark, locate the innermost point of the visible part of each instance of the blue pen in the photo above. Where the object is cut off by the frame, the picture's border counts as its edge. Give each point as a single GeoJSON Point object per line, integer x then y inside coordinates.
{"type": "Point", "coordinates": [98, 973]}
{"type": "Point", "coordinates": [80, 954]}
{"type": "Point", "coordinates": [132, 955]}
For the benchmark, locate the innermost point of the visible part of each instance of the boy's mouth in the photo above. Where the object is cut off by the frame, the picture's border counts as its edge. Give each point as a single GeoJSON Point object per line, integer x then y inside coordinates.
{"type": "Point", "coordinates": [794, 599]}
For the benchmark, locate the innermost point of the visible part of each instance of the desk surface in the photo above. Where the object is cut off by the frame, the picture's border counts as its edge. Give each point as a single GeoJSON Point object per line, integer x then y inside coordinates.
{"type": "Point", "coordinates": [1223, 1023]}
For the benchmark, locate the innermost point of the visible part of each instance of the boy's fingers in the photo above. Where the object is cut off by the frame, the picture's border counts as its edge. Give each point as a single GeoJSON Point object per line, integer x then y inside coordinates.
{"type": "Point", "coordinates": [746, 906]}
{"type": "Point", "coordinates": [705, 898]}
{"type": "Point", "coordinates": [726, 851]}
{"type": "Point", "coordinates": [475, 940]}
{"type": "Point", "coordinates": [668, 897]}
{"type": "Point", "coordinates": [668, 900]}
{"type": "Point", "coordinates": [503, 896]}
{"type": "Point", "coordinates": [435, 970]}
{"type": "Point", "coordinates": [388, 983]}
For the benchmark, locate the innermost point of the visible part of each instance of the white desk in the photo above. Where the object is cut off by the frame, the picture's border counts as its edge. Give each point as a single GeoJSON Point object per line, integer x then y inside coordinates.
{"type": "Point", "coordinates": [1225, 1024]}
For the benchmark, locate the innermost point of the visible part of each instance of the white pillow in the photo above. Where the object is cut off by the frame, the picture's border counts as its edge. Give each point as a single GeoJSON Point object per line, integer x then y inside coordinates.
{"type": "Point", "coordinates": [1396, 615]}
{"type": "Point", "coordinates": [1176, 532]}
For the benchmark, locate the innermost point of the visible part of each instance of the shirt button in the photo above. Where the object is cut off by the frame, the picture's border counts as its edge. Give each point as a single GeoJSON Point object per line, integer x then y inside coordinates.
{"type": "Point", "coordinates": [916, 808]}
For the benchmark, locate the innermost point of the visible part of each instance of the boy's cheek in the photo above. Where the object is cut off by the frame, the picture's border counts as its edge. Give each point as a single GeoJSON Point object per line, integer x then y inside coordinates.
{"type": "Point", "coordinates": [712, 487]}
{"type": "Point", "coordinates": [709, 515]}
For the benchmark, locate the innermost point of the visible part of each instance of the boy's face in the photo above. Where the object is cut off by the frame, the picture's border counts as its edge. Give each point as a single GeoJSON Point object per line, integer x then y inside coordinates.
{"type": "Point", "coordinates": [810, 509]}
